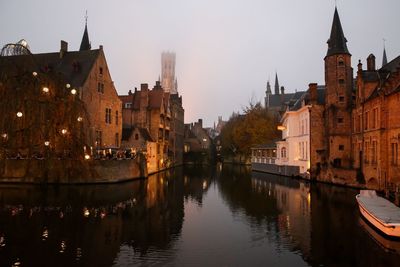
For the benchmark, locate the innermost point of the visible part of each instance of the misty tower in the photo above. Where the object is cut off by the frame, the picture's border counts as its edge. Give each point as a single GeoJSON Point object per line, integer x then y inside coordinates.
{"type": "Point", "coordinates": [168, 80]}
{"type": "Point", "coordinates": [338, 97]}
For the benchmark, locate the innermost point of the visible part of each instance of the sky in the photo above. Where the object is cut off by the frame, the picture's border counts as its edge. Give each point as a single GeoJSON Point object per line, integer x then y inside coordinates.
{"type": "Point", "coordinates": [226, 50]}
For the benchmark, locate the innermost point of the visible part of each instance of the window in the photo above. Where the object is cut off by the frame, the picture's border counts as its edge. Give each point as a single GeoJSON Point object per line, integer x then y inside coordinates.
{"type": "Point", "coordinates": [101, 71]}
{"type": "Point", "coordinates": [337, 162]}
{"type": "Point", "coordinates": [108, 115]}
{"type": "Point", "coordinates": [366, 153]}
{"type": "Point", "coordinates": [341, 81]}
{"type": "Point", "coordinates": [98, 138]}
{"type": "Point", "coordinates": [116, 139]}
{"type": "Point", "coordinates": [340, 120]}
{"type": "Point", "coordinates": [341, 99]}
{"type": "Point", "coordinates": [395, 155]}
{"type": "Point", "coordinates": [341, 62]}
{"type": "Point", "coordinates": [374, 122]}
{"type": "Point", "coordinates": [116, 117]}
{"type": "Point", "coordinates": [136, 136]}
{"type": "Point", "coordinates": [283, 152]}
{"type": "Point", "coordinates": [128, 105]}
{"type": "Point", "coordinates": [100, 87]}
{"type": "Point", "coordinates": [374, 151]}
{"type": "Point", "coordinates": [366, 125]}
{"type": "Point", "coordinates": [341, 147]}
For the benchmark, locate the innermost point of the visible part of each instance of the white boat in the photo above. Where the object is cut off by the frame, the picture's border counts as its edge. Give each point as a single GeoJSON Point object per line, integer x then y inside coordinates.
{"type": "Point", "coordinates": [381, 213]}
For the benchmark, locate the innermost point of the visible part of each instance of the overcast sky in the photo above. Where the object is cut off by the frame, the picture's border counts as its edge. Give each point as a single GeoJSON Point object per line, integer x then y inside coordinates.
{"type": "Point", "coordinates": [226, 50]}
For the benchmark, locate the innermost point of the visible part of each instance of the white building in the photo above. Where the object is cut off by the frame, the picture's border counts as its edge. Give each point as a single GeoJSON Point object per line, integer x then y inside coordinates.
{"type": "Point", "coordinates": [294, 148]}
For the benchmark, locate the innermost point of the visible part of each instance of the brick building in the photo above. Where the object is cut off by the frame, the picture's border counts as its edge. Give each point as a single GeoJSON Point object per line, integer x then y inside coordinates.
{"type": "Point", "coordinates": [355, 134]}
{"type": "Point", "coordinates": [86, 75]}
{"type": "Point", "coordinates": [161, 115]}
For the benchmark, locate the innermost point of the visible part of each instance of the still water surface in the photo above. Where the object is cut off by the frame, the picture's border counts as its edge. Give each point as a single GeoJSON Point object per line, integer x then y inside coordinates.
{"type": "Point", "coordinates": [224, 216]}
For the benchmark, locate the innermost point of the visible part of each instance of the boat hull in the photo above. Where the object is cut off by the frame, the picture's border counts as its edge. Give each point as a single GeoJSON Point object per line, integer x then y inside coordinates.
{"type": "Point", "coordinates": [387, 229]}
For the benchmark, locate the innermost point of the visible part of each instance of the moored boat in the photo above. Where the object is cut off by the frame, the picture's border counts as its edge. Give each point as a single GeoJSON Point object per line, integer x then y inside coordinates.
{"type": "Point", "coordinates": [381, 213]}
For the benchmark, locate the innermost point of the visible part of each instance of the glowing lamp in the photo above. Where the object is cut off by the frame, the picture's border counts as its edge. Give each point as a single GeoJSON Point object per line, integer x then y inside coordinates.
{"type": "Point", "coordinates": [68, 85]}
{"type": "Point", "coordinates": [87, 157]}
{"type": "Point", "coordinates": [19, 114]}
{"type": "Point", "coordinates": [281, 128]}
{"type": "Point", "coordinates": [73, 91]}
{"type": "Point", "coordinates": [79, 119]}
{"type": "Point", "coordinates": [45, 89]}
{"type": "Point", "coordinates": [64, 131]}
{"type": "Point", "coordinates": [4, 135]}
{"type": "Point", "coordinates": [34, 73]}
{"type": "Point", "coordinates": [46, 143]}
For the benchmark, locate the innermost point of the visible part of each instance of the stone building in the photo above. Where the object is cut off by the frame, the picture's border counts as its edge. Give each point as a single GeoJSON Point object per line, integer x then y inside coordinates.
{"type": "Point", "coordinates": [86, 75]}
{"type": "Point", "coordinates": [198, 145]}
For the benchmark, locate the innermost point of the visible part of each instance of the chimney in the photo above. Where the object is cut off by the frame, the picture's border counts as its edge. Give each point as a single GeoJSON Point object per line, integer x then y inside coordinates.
{"type": "Point", "coordinates": [201, 123]}
{"type": "Point", "coordinates": [359, 65]}
{"type": "Point", "coordinates": [144, 87]}
{"type": "Point", "coordinates": [371, 62]}
{"type": "Point", "coordinates": [282, 90]}
{"type": "Point", "coordinates": [312, 90]}
{"type": "Point", "coordinates": [63, 49]}
{"type": "Point", "coordinates": [130, 92]}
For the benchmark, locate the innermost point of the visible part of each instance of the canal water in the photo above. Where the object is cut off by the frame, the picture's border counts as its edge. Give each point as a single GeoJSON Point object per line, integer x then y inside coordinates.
{"type": "Point", "coordinates": [222, 216]}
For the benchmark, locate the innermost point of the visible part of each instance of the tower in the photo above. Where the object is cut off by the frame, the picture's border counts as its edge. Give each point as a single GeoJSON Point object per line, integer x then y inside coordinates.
{"type": "Point", "coordinates": [268, 94]}
{"type": "Point", "coordinates": [338, 97]}
{"type": "Point", "coordinates": [85, 43]}
{"type": "Point", "coordinates": [384, 58]}
{"type": "Point", "coordinates": [276, 84]}
{"type": "Point", "coordinates": [168, 80]}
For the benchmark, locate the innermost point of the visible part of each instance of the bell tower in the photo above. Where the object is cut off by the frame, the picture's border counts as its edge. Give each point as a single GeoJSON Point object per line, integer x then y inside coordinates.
{"type": "Point", "coordinates": [338, 98]}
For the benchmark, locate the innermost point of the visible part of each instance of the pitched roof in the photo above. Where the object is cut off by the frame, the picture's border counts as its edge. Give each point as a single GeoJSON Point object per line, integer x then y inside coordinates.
{"type": "Point", "coordinates": [74, 66]}
{"type": "Point", "coordinates": [337, 41]}
{"type": "Point", "coordinates": [391, 66]}
{"type": "Point", "coordinates": [384, 58]}
{"type": "Point", "coordinates": [127, 133]}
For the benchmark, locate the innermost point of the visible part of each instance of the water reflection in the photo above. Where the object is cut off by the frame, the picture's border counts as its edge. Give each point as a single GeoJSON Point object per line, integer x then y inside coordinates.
{"type": "Point", "coordinates": [195, 216]}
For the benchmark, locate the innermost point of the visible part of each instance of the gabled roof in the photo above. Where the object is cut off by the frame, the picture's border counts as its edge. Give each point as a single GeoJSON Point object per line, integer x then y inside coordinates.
{"type": "Point", "coordinates": [391, 66]}
{"type": "Point", "coordinates": [337, 41]}
{"type": "Point", "coordinates": [74, 66]}
{"type": "Point", "coordinates": [127, 133]}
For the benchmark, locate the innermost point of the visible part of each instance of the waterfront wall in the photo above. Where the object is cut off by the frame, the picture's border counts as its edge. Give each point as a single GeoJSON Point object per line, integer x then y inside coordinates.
{"type": "Point", "coordinates": [276, 169]}
{"type": "Point", "coordinates": [68, 171]}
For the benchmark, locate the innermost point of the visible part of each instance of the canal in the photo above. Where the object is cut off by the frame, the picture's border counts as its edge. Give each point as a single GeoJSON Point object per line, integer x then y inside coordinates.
{"type": "Point", "coordinates": [223, 216]}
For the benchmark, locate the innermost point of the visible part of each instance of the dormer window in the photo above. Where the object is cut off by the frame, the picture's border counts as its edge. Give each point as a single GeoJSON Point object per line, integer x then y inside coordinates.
{"type": "Point", "coordinates": [101, 71]}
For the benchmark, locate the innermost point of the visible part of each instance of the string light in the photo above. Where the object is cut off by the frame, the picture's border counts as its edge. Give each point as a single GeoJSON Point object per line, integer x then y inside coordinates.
{"type": "Point", "coordinates": [19, 114]}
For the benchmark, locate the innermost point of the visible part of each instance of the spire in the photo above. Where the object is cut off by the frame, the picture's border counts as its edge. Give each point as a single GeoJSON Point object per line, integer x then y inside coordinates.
{"type": "Point", "coordinates": [337, 41]}
{"type": "Point", "coordinates": [85, 44]}
{"type": "Point", "coordinates": [268, 88]}
{"type": "Point", "coordinates": [276, 84]}
{"type": "Point", "coordinates": [384, 59]}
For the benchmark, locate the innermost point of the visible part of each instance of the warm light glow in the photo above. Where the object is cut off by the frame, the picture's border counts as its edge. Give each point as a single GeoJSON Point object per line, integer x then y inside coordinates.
{"type": "Point", "coordinates": [19, 114]}
{"type": "Point", "coordinates": [34, 73]}
{"type": "Point", "coordinates": [204, 185]}
{"type": "Point", "coordinates": [73, 91]}
{"type": "Point", "coordinates": [87, 156]}
{"type": "Point", "coordinates": [45, 90]}
{"type": "Point", "coordinates": [4, 135]}
{"type": "Point", "coordinates": [79, 119]}
{"type": "Point", "coordinates": [86, 212]}
{"type": "Point", "coordinates": [46, 143]}
{"type": "Point", "coordinates": [281, 128]}
{"type": "Point", "coordinates": [64, 131]}
{"type": "Point", "coordinates": [68, 85]}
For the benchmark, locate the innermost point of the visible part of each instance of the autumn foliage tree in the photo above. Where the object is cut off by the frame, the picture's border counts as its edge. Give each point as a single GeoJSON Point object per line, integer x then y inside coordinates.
{"type": "Point", "coordinates": [242, 131]}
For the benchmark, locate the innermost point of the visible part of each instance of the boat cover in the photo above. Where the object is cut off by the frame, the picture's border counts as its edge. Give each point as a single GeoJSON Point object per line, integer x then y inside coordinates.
{"type": "Point", "coordinates": [379, 207]}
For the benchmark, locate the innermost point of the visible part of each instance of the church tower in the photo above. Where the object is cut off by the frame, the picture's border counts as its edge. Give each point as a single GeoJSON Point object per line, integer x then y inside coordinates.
{"type": "Point", "coordinates": [276, 84]}
{"type": "Point", "coordinates": [85, 43]}
{"type": "Point", "coordinates": [168, 80]}
{"type": "Point", "coordinates": [338, 98]}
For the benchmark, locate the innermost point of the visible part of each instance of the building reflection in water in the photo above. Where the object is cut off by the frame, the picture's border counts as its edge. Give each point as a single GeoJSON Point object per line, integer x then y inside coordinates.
{"type": "Point", "coordinates": [142, 222]}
